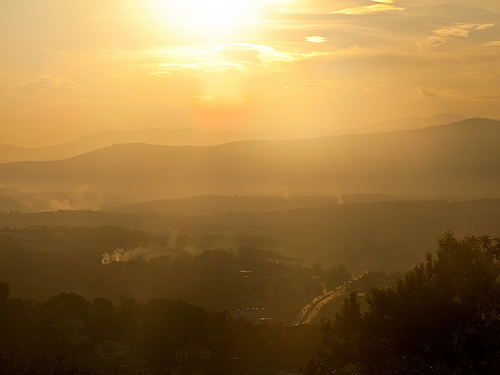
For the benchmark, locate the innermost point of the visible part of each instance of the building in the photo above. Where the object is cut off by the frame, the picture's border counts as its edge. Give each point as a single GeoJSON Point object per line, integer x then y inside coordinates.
{"type": "Point", "coordinates": [134, 366]}
{"type": "Point", "coordinates": [70, 324]}
{"type": "Point", "coordinates": [73, 338]}
{"type": "Point", "coordinates": [111, 350]}
{"type": "Point", "coordinates": [192, 354]}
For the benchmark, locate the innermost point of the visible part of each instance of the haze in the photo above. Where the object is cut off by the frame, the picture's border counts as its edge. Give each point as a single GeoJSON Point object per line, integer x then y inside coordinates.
{"type": "Point", "coordinates": [257, 187]}
{"type": "Point", "coordinates": [72, 69]}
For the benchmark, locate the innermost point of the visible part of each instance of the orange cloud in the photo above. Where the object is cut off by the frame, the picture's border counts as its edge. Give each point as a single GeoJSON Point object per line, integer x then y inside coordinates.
{"type": "Point", "coordinates": [316, 39]}
{"type": "Point", "coordinates": [423, 92]}
{"type": "Point", "coordinates": [442, 35]}
{"type": "Point", "coordinates": [494, 43]}
{"type": "Point", "coordinates": [46, 84]}
{"type": "Point", "coordinates": [381, 6]}
{"type": "Point", "coordinates": [221, 58]}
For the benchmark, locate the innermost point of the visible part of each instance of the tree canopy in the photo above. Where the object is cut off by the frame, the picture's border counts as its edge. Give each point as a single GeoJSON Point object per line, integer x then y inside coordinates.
{"type": "Point", "coordinates": [442, 318]}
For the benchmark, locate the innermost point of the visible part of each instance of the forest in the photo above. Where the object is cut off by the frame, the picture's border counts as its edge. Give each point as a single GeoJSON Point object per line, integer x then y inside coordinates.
{"type": "Point", "coordinates": [250, 187]}
{"type": "Point", "coordinates": [441, 317]}
{"type": "Point", "coordinates": [39, 338]}
{"type": "Point", "coordinates": [362, 254]}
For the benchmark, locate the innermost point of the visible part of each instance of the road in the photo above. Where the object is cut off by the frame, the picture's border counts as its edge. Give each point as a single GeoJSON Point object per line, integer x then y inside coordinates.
{"type": "Point", "coordinates": [312, 309]}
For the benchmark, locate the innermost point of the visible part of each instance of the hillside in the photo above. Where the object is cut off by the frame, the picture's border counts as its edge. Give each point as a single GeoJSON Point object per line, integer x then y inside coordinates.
{"type": "Point", "coordinates": [409, 123]}
{"type": "Point", "coordinates": [165, 137]}
{"type": "Point", "coordinates": [390, 236]}
{"type": "Point", "coordinates": [196, 137]}
{"type": "Point", "coordinates": [455, 159]}
{"type": "Point", "coordinates": [218, 204]}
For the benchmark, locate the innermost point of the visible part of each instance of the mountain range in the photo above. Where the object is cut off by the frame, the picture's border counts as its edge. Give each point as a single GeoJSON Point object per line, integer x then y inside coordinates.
{"type": "Point", "coordinates": [196, 137]}
{"type": "Point", "coordinates": [460, 158]}
{"type": "Point", "coordinates": [166, 137]}
{"type": "Point", "coordinates": [410, 123]}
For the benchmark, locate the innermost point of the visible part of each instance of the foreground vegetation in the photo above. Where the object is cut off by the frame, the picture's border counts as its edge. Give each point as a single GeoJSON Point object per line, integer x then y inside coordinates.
{"type": "Point", "coordinates": [442, 318]}
{"type": "Point", "coordinates": [60, 336]}
{"type": "Point", "coordinates": [215, 272]}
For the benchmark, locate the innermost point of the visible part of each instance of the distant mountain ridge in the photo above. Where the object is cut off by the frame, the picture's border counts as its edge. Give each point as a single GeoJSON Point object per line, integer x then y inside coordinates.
{"type": "Point", "coordinates": [166, 137]}
{"type": "Point", "coordinates": [410, 123]}
{"type": "Point", "coordinates": [196, 137]}
{"type": "Point", "coordinates": [459, 158]}
{"type": "Point", "coordinates": [218, 204]}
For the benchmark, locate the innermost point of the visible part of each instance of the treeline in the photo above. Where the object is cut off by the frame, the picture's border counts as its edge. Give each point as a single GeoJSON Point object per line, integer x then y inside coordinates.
{"type": "Point", "coordinates": [378, 236]}
{"type": "Point", "coordinates": [215, 272]}
{"type": "Point", "coordinates": [442, 318]}
{"type": "Point", "coordinates": [38, 337]}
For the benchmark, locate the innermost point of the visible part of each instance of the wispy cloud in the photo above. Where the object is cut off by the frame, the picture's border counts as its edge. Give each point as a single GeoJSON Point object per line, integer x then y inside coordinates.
{"type": "Point", "coordinates": [316, 39]}
{"type": "Point", "coordinates": [378, 87]}
{"type": "Point", "coordinates": [423, 92]}
{"type": "Point", "coordinates": [442, 35]}
{"type": "Point", "coordinates": [320, 8]}
{"type": "Point", "coordinates": [46, 84]}
{"type": "Point", "coordinates": [486, 97]}
{"type": "Point", "coordinates": [48, 95]}
{"type": "Point", "coordinates": [494, 43]}
{"type": "Point", "coordinates": [266, 54]}
{"type": "Point", "coordinates": [379, 6]}
{"type": "Point", "coordinates": [224, 57]}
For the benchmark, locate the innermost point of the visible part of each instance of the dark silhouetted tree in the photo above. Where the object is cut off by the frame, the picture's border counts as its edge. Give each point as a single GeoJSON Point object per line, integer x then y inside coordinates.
{"type": "Point", "coordinates": [442, 318]}
{"type": "Point", "coordinates": [66, 305]}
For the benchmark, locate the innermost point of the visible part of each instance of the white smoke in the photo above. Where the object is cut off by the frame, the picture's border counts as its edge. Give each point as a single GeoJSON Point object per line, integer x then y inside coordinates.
{"type": "Point", "coordinates": [147, 252]}
{"type": "Point", "coordinates": [81, 198]}
{"type": "Point", "coordinates": [122, 255]}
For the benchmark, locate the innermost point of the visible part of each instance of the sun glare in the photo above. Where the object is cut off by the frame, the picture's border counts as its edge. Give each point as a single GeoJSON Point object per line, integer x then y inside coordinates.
{"type": "Point", "coordinates": [223, 27]}
{"type": "Point", "coordinates": [209, 19]}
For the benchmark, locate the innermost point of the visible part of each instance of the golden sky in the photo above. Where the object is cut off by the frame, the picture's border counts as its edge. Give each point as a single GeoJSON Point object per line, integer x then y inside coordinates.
{"type": "Point", "coordinates": [72, 68]}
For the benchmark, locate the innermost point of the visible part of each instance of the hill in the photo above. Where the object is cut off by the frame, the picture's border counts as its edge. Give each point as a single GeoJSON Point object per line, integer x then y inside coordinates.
{"type": "Point", "coordinates": [165, 137]}
{"type": "Point", "coordinates": [390, 236]}
{"type": "Point", "coordinates": [456, 159]}
{"type": "Point", "coordinates": [196, 137]}
{"type": "Point", "coordinates": [218, 204]}
{"type": "Point", "coordinates": [410, 123]}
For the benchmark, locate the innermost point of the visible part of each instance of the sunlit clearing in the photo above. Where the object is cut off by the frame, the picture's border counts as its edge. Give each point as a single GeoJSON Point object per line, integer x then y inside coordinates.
{"type": "Point", "coordinates": [213, 18]}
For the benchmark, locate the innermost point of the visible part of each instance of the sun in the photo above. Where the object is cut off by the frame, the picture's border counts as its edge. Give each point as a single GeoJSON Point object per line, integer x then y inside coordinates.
{"type": "Point", "coordinates": [209, 18]}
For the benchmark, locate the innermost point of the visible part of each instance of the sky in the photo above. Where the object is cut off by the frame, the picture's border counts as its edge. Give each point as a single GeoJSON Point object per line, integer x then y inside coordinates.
{"type": "Point", "coordinates": [74, 68]}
